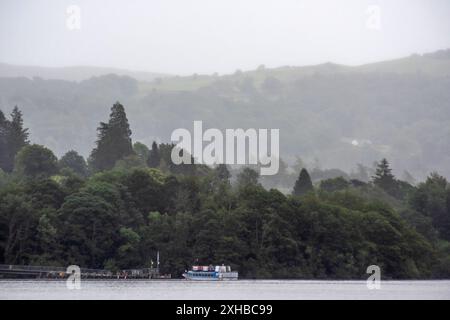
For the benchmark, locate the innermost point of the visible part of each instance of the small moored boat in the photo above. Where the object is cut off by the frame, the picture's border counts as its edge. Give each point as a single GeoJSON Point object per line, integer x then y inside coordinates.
{"type": "Point", "coordinates": [211, 273]}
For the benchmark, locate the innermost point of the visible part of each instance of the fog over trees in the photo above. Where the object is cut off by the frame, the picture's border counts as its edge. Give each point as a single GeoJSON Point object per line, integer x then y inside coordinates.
{"type": "Point", "coordinates": [331, 116]}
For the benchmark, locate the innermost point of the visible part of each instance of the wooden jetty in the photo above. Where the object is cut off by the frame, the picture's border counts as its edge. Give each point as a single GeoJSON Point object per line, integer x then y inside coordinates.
{"type": "Point", "coordinates": [49, 272]}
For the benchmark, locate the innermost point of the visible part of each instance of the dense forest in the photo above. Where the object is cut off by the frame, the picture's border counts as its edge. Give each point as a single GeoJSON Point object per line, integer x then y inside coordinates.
{"type": "Point", "coordinates": [127, 201]}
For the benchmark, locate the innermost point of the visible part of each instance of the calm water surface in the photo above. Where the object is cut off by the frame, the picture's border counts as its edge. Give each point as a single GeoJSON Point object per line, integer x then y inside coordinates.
{"type": "Point", "coordinates": [242, 289]}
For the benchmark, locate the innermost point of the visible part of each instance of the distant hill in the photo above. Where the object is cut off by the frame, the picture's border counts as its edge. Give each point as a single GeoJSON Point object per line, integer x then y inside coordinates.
{"type": "Point", "coordinates": [75, 73]}
{"type": "Point", "coordinates": [431, 64]}
{"type": "Point", "coordinates": [335, 115]}
{"type": "Point", "coordinates": [437, 63]}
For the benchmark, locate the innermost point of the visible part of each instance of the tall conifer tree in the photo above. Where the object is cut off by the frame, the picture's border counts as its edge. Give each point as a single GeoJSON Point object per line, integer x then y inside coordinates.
{"type": "Point", "coordinates": [114, 140]}
{"type": "Point", "coordinates": [383, 176]}
{"type": "Point", "coordinates": [13, 137]}
{"type": "Point", "coordinates": [154, 156]}
{"type": "Point", "coordinates": [3, 145]}
{"type": "Point", "coordinates": [303, 184]}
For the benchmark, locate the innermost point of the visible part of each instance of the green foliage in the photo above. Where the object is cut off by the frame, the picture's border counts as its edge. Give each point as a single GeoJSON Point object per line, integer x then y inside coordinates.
{"type": "Point", "coordinates": [17, 225]}
{"type": "Point", "coordinates": [303, 185]}
{"type": "Point", "coordinates": [4, 150]}
{"type": "Point", "coordinates": [222, 173]}
{"type": "Point", "coordinates": [247, 177]}
{"type": "Point", "coordinates": [154, 157]}
{"type": "Point", "coordinates": [383, 177]}
{"type": "Point", "coordinates": [128, 252]}
{"type": "Point", "coordinates": [4, 178]}
{"type": "Point", "coordinates": [146, 193]}
{"type": "Point", "coordinates": [385, 180]}
{"type": "Point", "coordinates": [88, 229]}
{"type": "Point", "coordinates": [442, 268]}
{"type": "Point", "coordinates": [336, 184]}
{"type": "Point", "coordinates": [72, 160]}
{"type": "Point", "coordinates": [13, 137]}
{"type": "Point", "coordinates": [431, 199]}
{"type": "Point", "coordinates": [142, 151]}
{"type": "Point", "coordinates": [120, 218]}
{"type": "Point", "coordinates": [114, 140]}
{"type": "Point", "coordinates": [130, 162]}
{"type": "Point", "coordinates": [36, 161]}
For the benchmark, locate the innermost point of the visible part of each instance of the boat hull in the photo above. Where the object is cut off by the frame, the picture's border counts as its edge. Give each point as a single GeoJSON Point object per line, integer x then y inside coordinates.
{"type": "Point", "coordinates": [211, 276]}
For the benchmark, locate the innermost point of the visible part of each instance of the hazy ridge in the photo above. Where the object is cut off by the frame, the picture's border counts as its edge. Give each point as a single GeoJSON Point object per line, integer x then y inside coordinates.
{"type": "Point", "coordinates": [399, 109]}
{"type": "Point", "coordinates": [75, 73]}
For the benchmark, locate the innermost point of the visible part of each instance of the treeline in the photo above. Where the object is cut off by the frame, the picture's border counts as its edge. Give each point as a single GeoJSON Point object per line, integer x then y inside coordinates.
{"type": "Point", "coordinates": [128, 201]}
{"type": "Point", "coordinates": [390, 113]}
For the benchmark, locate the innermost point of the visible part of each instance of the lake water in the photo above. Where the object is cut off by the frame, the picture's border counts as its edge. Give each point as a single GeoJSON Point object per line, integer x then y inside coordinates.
{"type": "Point", "coordinates": [204, 290]}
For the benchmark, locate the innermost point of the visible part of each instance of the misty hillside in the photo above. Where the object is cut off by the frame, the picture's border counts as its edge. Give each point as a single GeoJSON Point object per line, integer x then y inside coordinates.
{"type": "Point", "coordinates": [340, 115]}
{"type": "Point", "coordinates": [432, 64]}
{"type": "Point", "coordinates": [77, 73]}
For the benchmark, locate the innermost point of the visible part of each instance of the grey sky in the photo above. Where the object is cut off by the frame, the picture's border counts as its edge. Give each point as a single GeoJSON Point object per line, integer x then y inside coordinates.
{"type": "Point", "coordinates": [206, 36]}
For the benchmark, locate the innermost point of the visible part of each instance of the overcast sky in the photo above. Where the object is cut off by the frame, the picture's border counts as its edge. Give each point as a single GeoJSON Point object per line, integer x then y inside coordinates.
{"type": "Point", "coordinates": [206, 36]}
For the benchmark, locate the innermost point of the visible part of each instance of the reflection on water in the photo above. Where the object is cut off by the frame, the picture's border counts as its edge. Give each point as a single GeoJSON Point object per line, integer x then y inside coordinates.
{"type": "Point", "coordinates": [242, 289]}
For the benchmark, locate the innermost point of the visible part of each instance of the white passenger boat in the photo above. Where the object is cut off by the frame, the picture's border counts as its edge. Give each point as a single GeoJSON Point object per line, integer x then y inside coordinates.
{"type": "Point", "coordinates": [211, 273]}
